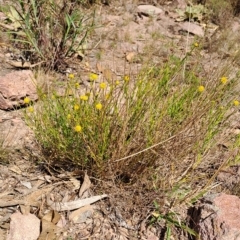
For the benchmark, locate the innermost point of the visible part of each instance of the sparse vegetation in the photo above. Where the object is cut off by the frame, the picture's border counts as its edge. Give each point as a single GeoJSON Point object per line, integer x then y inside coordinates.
{"type": "Point", "coordinates": [50, 31]}
{"type": "Point", "coordinates": [153, 134]}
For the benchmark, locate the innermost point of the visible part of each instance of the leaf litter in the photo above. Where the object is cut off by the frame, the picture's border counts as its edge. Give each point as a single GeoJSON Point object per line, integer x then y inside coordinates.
{"type": "Point", "coordinates": [28, 201]}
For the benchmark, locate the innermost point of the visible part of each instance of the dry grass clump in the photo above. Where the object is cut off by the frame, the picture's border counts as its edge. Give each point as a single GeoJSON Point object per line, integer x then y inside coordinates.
{"type": "Point", "coordinates": [152, 134]}
{"type": "Point", "coordinates": [50, 31]}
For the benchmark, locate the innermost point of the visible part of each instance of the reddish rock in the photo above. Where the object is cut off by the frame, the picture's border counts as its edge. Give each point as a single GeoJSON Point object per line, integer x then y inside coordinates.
{"type": "Point", "coordinates": [218, 217]}
{"type": "Point", "coordinates": [25, 227]}
{"type": "Point", "coordinates": [14, 87]}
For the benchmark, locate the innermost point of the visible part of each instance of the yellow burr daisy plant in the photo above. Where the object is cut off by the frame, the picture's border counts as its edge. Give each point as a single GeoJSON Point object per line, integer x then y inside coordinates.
{"type": "Point", "coordinates": [30, 109]}
{"type": "Point", "coordinates": [71, 76]}
{"type": "Point", "coordinates": [93, 76]}
{"type": "Point", "coordinates": [84, 97]}
{"type": "Point", "coordinates": [76, 107]}
{"type": "Point", "coordinates": [201, 88]}
{"type": "Point", "coordinates": [224, 80]}
{"type": "Point", "coordinates": [126, 78]}
{"type": "Point", "coordinates": [103, 85]}
{"type": "Point", "coordinates": [78, 128]}
{"type": "Point", "coordinates": [99, 106]}
{"type": "Point", "coordinates": [77, 85]}
{"type": "Point", "coordinates": [236, 103]}
{"type": "Point", "coordinates": [196, 44]}
{"type": "Point", "coordinates": [26, 100]}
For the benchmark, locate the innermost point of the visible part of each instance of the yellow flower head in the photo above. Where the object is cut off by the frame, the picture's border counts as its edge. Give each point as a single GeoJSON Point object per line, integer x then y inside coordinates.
{"type": "Point", "coordinates": [196, 44]}
{"type": "Point", "coordinates": [236, 103]}
{"type": "Point", "coordinates": [30, 109]}
{"type": "Point", "coordinates": [76, 107]}
{"type": "Point", "coordinates": [201, 88]}
{"type": "Point", "coordinates": [126, 78]}
{"type": "Point", "coordinates": [99, 106]}
{"type": "Point", "coordinates": [93, 76]}
{"type": "Point", "coordinates": [84, 97]}
{"type": "Point", "coordinates": [26, 100]}
{"type": "Point", "coordinates": [71, 76]}
{"type": "Point", "coordinates": [224, 80]}
{"type": "Point", "coordinates": [69, 116]}
{"type": "Point", "coordinates": [103, 85]}
{"type": "Point", "coordinates": [117, 82]}
{"type": "Point", "coordinates": [77, 128]}
{"type": "Point", "coordinates": [77, 85]}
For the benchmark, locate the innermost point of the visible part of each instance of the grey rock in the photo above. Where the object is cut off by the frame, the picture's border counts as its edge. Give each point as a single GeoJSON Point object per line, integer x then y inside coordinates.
{"type": "Point", "coordinates": [149, 10]}
{"type": "Point", "coordinates": [192, 28]}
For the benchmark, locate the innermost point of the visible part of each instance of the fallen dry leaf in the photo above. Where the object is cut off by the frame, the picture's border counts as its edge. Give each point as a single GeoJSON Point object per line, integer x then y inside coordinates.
{"type": "Point", "coordinates": [52, 216]}
{"type": "Point", "coordinates": [25, 210]}
{"type": "Point", "coordinates": [62, 222]}
{"type": "Point", "coordinates": [56, 217]}
{"type": "Point", "coordinates": [49, 230]}
{"type": "Point", "coordinates": [15, 169]}
{"type": "Point", "coordinates": [85, 186]}
{"type": "Point", "coordinates": [59, 206]}
{"type": "Point", "coordinates": [25, 227]}
{"type": "Point", "coordinates": [7, 203]}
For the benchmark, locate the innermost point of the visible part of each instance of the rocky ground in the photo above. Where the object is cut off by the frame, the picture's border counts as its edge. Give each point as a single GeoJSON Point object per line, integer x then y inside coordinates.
{"type": "Point", "coordinates": [128, 36]}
